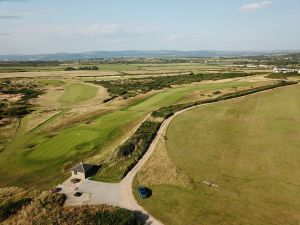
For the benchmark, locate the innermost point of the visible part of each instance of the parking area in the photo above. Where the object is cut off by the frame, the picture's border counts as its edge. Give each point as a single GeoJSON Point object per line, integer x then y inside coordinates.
{"type": "Point", "coordinates": [93, 192]}
{"type": "Point", "coordinates": [69, 189]}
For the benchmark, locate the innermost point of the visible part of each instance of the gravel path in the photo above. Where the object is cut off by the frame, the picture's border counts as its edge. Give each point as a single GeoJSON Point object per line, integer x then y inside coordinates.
{"type": "Point", "coordinates": [127, 199]}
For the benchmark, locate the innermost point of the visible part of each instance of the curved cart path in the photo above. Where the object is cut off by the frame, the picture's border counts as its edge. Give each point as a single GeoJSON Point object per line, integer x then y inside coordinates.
{"type": "Point", "coordinates": [116, 194]}
{"type": "Point", "coordinates": [127, 199]}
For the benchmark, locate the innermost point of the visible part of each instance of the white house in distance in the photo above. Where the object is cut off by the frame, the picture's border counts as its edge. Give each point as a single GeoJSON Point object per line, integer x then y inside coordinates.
{"type": "Point", "coordinates": [284, 70]}
{"type": "Point", "coordinates": [83, 171]}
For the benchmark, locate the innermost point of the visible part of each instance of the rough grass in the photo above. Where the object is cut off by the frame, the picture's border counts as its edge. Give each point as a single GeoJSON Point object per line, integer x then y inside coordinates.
{"type": "Point", "coordinates": [163, 170]}
{"type": "Point", "coordinates": [250, 147]}
{"type": "Point", "coordinates": [51, 82]}
{"type": "Point", "coordinates": [48, 208]}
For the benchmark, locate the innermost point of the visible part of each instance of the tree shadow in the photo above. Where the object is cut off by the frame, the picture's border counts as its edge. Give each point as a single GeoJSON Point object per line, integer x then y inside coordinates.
{"type": "Point", "coordinates": [142, 217]}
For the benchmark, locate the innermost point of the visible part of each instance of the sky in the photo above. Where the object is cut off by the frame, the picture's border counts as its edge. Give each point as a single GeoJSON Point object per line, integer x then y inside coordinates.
{"type": "Point", "coordinates": [51, 26]}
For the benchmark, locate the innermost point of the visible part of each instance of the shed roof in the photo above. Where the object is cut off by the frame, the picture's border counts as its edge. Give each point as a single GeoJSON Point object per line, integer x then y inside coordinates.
{"type": "Point", "coordinates": [82, 167]}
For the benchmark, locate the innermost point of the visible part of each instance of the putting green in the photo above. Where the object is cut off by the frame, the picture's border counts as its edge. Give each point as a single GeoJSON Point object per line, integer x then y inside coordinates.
{"type": "Point", "coordinates": [78, 92]}
{"type": "Point", "coordinates": [63, 145]}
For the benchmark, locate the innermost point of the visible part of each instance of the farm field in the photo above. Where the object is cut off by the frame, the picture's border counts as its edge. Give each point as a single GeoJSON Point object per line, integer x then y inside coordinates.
{"type": "Point", "coordinates": [35, 153]}
{"type": "Point", "coordinates": [249, 146]}
{"type": "Point", "coordinates": [118, 69]}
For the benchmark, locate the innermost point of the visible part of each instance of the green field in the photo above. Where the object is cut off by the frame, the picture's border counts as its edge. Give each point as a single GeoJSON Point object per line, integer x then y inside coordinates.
{"type": "Point", "coordinates": [78, 92]}
{"type": "Point", "coordinates": [36, 159]}
{"type": "Point", "coordinates": [250, 147]}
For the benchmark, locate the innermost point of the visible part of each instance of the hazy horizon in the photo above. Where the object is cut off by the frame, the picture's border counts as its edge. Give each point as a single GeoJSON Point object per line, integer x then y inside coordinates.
{"type": "Point", "coordinates": [158, 50]}
{"type": "Point", "coordinates": [47, 27]}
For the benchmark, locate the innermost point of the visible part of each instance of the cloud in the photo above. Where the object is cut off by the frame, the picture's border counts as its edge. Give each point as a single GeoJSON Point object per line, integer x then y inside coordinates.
{"type": "Point", "coordinates": [113, 29]}
{"type": "Point", "coordinates": [175, 37]}
{"type": "Point", "coordinates": [99, 30]}
{"type": "Point", "coordinates": [252, 7]}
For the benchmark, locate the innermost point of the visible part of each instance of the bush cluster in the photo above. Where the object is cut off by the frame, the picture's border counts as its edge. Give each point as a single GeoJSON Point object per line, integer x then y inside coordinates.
{"type": "Point", "coordinates": [132, 87]}
{"type": "Point", "coordinates": [140, 140]}
{"type": "Point", "coordinates": [48, 209]}
{"type": "Point", "coordinates": [82, 68]}
{"type": "Point", "coordinates": [128, 154]}
{"type": "Point", "coordinates": [21, 107]}
{"type": "Point", "coordinates": [283, 75]}
{"type": "Point", "coordinates": [10, 208]}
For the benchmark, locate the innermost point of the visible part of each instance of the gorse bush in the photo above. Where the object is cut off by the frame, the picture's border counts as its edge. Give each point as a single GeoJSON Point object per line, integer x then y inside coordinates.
{"type": "Point", "coordinates": [283, 75]}
{"type": "Point", "coordinates": [48, 209]}
{"type": "Point", "coordinates": [82, 68]}
{"type": "Point", "coordinates": [21, 107]}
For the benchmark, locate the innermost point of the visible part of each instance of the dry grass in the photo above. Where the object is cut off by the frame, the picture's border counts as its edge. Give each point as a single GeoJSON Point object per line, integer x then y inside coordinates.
{"type": "Point", "coordinates": [204, 94]}
{"type": "Point", "coordinates": [48, 209]}
{"type": "Point", "coordinates": [8, 130]}
{"type": "Point", "coordinates": [11, 193]}
{"type": "Point", "coordinates": [160, 169]}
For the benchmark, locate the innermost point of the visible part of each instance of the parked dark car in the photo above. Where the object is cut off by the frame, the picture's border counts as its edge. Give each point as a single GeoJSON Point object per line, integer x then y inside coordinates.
{"type": "Point", "coordinates": [143, 193]}
{"type": "Point", "coordinates": [75, 180]}
{"type": "Point", "coordinates": [55, 190]}
{"type": "Point", "coordinates": [77, 194]}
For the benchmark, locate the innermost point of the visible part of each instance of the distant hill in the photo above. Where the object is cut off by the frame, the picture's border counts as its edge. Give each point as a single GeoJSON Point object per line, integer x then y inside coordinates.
{"type": "Point", "coordinates": [133, 54]}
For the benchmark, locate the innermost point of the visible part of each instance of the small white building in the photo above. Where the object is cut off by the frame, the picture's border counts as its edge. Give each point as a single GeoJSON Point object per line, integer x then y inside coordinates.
{"type": "Point", "coordinates": [83, 171]}
{"type": "Point", "coordinates": [284, 70]}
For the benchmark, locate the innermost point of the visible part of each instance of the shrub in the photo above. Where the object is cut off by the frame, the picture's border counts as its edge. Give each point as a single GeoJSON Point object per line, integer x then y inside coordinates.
{"type": "Point", "coordinates": [70, 68]}
{"type": "Point", "coordinates": [131, 87]}
{"type": "Point", "coordinates": [216, 92]}
{"type": "Point", "coordinates": [21, 107]}
{"type": "Point", "coordinates": [12, 208]}
{"type": "Point", "coordinates": [129, 153]}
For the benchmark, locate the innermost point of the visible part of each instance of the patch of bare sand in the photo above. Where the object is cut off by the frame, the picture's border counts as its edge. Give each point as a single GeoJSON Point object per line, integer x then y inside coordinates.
{"type": "Point", "coordinates": [10, 97]}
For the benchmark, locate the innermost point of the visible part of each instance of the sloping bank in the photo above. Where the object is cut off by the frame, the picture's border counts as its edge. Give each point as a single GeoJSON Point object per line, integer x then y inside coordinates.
{"type": "Point", "coordinates": [129, 153]}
